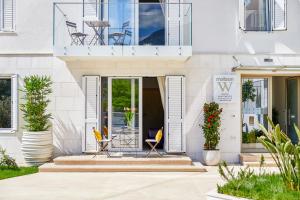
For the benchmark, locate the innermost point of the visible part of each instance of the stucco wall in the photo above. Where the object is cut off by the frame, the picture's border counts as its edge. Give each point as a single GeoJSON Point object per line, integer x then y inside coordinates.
{"type": "Point", "coordinates": [67, 104]}
{"type": "Point", "coordinates": [215, 29]}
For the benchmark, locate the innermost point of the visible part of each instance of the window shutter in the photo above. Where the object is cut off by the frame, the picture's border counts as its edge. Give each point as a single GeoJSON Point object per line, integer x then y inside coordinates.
{"type": "Point", "coordinates": [279, 15]}
{"type": "Point", "coordinates": [242, 14]}
{"type": "Point", "coordinates": [7, 12]}
{"type": "Point", "coordinates": [14, 102]}
{"type": "Point", "coordinates": [91, 88]}
{"type": "Point", "coordinates": [173, 22]}
{"type": "Point", "coordinates": [91, 8]}
{"type": "Point", "coordinates": [174, 114]}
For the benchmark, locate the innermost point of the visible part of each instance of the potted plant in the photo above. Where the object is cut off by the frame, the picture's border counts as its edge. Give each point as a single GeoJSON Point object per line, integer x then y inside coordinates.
{"type": "Point", "coordinates": [211, 126]}
{"type": "Point", "coordinates": [37, 139]}
{"type": "Point", "coordinates": [128, 116]}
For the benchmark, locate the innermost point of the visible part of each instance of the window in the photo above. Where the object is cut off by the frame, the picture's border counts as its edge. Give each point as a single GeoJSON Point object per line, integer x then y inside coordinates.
{"type": "Point", "coordinates": [263, 15]}
{"type": "Point", "coordinates": [7, 15]}
{"type": "Point", "coordinates": [8, 103]}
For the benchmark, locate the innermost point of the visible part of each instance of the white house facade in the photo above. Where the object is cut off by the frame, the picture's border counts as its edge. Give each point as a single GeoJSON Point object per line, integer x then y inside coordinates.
{"type": "Point", "coordinates": [167, 57]}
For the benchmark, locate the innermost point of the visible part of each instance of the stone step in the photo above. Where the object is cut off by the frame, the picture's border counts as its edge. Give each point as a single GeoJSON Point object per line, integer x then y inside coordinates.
{"type": "Point", "coordinates": [257, 164]}
{"type": "Point", "coordinates": [51, 167]}
{"type": "Point", "coordinates": [254, 157]}
{"type": "Point", "coordinates": [104, 160]}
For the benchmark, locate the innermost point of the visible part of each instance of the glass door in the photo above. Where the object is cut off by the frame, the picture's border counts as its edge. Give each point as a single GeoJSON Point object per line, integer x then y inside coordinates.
{"type": "Point", "coordinates": [255, 107]}
{"type": "Point", "coordinates": [292, 108]}
{"type": "Point", "coordinates": [125, 113]}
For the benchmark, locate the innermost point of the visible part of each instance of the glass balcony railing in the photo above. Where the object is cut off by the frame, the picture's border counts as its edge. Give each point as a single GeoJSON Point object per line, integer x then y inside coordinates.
{"type": "Point", "coordinates": [121, 23]}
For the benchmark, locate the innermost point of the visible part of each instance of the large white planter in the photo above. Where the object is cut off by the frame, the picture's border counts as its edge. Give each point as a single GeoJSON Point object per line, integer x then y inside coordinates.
{"type": "Point", "coordinates": [211, 157]}
{"type": "Point", "coordinates": [37, 147]}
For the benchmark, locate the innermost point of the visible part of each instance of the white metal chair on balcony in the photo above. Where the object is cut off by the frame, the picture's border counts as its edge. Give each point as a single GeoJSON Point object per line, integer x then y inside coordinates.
{"type": "Point", "coordinates": [76, 37]}
{"type": "Point", "coordinates": [119, 37]}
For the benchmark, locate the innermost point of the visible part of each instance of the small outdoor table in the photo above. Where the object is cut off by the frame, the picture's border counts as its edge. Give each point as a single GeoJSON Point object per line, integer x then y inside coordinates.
{"type": "Point", "coordinates": [98, 26]}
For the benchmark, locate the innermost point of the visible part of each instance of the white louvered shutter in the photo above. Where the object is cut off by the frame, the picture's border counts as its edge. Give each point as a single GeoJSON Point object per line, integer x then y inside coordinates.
{"type": "Point", "coordinates": [14, 102]}
{"type": "Point", "coordinates": [7, 15]}
{"type": "Point", "coordinates": [174, 114]}
{"type": "Point", "coordinates": [279, 15]}
{"type": "Point", "coordinates": [91, 8]}
{"type": "Point", "coordinates": [174, 22]}
{"type": "Point", "coordinates": [91, 88]}
{"type": "Point", "coordinates": [242, 14]}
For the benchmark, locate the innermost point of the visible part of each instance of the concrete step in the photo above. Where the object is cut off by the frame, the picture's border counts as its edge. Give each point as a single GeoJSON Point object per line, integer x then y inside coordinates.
{"type": "Point", "coordinates": [253, 159]}
{"type": "Point", "coordinates": [51, 167]}
{"type": "Point", "coordinates": [257, 164]}
{"type": "Point", "coordinates": [104, 160]}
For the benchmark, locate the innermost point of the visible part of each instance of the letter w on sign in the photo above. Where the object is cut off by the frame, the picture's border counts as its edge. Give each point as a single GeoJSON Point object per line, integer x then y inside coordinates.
{"type": "Point", "coordinates": [225, 86]}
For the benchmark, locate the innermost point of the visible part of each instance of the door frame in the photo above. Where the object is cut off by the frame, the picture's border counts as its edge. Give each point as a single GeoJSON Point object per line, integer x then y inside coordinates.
{"type": "Point", "coordinates": [297, 78]}
{"type": "Point", "coordinates": [109, 84]}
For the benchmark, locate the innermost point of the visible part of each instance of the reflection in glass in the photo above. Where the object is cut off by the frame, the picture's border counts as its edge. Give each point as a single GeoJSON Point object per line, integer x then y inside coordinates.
{"type": "Point", "coordinates": [255, 107]}
{"type": "Point", "coordinates": [257, 13]}
{"type": "Point", "coordinates": [151, 24]}
{"type": "Point", "coordinates": [5, 103]}
{"type": "Point", "coordinates": [125, 113]}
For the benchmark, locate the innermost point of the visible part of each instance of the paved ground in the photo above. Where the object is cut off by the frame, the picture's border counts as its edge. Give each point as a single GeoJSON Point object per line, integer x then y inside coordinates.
{"type": "Point", "coordinates": [102, 186]}
{"type": "Point", "coordinates": [112, 186]}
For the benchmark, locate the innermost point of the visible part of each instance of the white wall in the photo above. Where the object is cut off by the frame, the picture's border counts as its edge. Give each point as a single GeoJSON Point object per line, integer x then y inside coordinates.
{"type": "Point", "coordinates": [67, 104]}
{"type": "Point", "coordinates": [215, 29]}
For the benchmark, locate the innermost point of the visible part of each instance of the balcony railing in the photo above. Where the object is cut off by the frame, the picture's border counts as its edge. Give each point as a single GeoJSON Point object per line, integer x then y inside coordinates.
{"type": "Point", "coordinates": [122, 29]}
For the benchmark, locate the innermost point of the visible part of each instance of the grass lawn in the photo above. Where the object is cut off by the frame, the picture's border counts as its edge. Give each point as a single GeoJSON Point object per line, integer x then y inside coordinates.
{"type": "Point", "coordinates": [265, 187]}
{"type": "Point", "coordinates": [8, 173]}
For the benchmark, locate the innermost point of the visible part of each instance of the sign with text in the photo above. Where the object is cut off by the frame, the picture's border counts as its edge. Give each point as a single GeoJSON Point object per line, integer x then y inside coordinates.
{"type": "Point", "coordinates": [225, 89]}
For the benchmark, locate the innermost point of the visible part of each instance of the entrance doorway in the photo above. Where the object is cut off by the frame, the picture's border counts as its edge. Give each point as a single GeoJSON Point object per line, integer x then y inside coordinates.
{"type": "Point", "coordinates": [276, 97]}
{"type": "Point", "coordinates": [118, 104]}
{"type": "Point", "coordinates": [153, 112]}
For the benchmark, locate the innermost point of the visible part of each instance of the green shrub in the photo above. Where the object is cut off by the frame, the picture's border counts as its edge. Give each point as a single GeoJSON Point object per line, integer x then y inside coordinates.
{"type": "Point", "coordinates": [284, 152]}
{"type": "Point", "coordinates": [6, 161]}
{"type": "Point", "coordinates": [211, 126]}
{"type": "Point", "coordinates": [36, 89]}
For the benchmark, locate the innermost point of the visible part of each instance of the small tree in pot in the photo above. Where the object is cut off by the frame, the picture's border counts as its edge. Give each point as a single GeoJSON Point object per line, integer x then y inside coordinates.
{"type": "Point", "coordinates": [211, 126]}
{"type": "Point", "coordinates": [37, 139]}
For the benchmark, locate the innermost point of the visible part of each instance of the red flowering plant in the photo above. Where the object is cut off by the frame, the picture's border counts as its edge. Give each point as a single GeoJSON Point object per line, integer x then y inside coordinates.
{"type": "Point", "coordinates": [211, 126]}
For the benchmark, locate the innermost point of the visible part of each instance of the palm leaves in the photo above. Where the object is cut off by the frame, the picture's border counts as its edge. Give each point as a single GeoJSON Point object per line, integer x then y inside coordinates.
{"type": "Point", "coordinates": [285, 154]}
{"type": "Point", "coordinates": [36, 89]}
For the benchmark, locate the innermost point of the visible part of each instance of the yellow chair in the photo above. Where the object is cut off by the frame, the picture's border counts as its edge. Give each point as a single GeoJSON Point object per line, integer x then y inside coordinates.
{"type": "Point", "coordinates": [102, 142]}
{"type": "Point", "coordinates": [154, 142]}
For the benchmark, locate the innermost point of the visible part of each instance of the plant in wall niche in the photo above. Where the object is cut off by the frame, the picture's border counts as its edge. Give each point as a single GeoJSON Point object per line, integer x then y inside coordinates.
{"type": "Point", "coordinates": [248, 91]}
{"type": "Point", "coordinates": [36, 91]}
{"type": "Point", "coordinates": [37, 139]}
{"type": "Point", "coordinates": [211, 126]}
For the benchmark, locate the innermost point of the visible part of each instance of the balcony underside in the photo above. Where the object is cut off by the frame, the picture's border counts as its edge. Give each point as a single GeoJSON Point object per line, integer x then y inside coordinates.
{"type": "Point", "coordinates": [178, 53]}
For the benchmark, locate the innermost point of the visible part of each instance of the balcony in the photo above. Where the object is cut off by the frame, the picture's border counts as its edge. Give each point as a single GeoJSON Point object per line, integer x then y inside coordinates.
{"type": "Point", "coordinates": [122, 30]}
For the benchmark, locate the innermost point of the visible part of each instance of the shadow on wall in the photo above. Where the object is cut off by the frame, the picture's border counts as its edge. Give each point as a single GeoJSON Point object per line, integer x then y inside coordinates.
{"type": "Point", "coordinates": [194, 120]}
{"type": "Point", "coordinates": [66, 138]}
